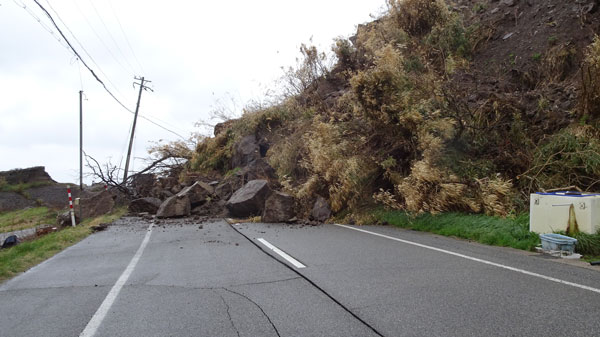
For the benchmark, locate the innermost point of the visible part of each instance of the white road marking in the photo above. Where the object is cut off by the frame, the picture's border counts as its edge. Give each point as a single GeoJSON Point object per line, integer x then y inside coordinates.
{"type": "Point", "coordinates": [522, 271]}
{"type": "Point", "coordinates": [282, 253]}
{"type": "Point", "coordinates": [94, 323]}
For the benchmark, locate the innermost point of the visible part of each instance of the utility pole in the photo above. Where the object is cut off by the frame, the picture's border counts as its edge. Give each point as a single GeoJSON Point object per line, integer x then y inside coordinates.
{"type": "Point", "coordinates": [81, 140]}
{"type": "Point", "coordinates": [137, 108]}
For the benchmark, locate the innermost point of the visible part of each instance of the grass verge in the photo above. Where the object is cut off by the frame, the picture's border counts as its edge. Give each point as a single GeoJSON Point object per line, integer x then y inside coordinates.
{"type": "Point", "coordinates": [26, 218]}
{"type": "Point", "coordinates": [20, 188]}
{"type": "Point", "coordinates": [506, 232]}
{"type": "Point", "coordinates": [21, 257]}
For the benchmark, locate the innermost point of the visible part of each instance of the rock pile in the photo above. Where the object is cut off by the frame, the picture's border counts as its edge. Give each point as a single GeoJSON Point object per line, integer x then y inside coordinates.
{"type": "Point", "coordinates": [250, 190]}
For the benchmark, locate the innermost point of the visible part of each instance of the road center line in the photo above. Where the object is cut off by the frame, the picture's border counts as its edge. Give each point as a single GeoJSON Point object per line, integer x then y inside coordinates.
{"type": "Point", "coordinates": [94, 323]}
{"type": "Point", "coordinates": [522, 271]}
{"type": "Point", "coordinates": [282, 253]}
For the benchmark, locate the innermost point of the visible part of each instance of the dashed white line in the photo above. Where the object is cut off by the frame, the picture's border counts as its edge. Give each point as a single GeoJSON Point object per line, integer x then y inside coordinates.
{"type": "Point", "coordinates": [522, 271]}
{"type": "Point", "coordinates": [281, 253]}
{"type": "Point", "coordinates": [94, 323]}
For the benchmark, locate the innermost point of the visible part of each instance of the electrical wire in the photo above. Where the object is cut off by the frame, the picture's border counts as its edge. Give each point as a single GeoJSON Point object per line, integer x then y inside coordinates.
{"type": "Point", "coordinates": [101, 40]}
{"type": "Point", "coordinates": [110, 35]}
{"type": "Point", "coordinates": [46, 28]}
{"type": "Point", "coordinates": [125, 36]}
{"type": "Point", "coordinates": [91, 70]}
{"type": "Point", "coordinates": [82, 47]}
{"type": "Point", "coordinates": [79, 56]}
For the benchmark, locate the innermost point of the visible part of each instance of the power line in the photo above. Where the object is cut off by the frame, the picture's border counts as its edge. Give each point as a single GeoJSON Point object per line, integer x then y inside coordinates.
{"type": "Point", "coordinates": [79, 56]}
{"type": "Point", "coordinates": [46, 28]}
{"type": "Point", "coordinates": [82, 47]}
{"type": "Point", "coordinates": [91, 70]}
{"type": "Point", "coordinates": [100, 39]}
{"type": "Point", "coordinates": [110, 35]}
{"type": "Point", "coordinates": [125, 36]}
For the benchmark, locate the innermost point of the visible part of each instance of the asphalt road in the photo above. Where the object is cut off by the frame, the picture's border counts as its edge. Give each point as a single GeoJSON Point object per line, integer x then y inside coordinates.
{"type": "Point", "coordinates": [212, 279]}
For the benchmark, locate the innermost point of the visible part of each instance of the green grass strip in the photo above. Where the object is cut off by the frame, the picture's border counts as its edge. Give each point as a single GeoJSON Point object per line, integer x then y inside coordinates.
{"type": "Point", "coordinates": [26, 218]}
{"type": "Point", "coordinates": [506, 232]}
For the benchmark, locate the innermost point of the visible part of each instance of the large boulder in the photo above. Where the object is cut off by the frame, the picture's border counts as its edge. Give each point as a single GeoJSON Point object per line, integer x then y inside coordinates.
{"type": "Point", "coordinates": [279, 207]}
{"type": "Point", "coordinates": [197, 193]}
{"type": "Point", "coordinates": [142, 184]}
{"type": "Point", "coordinates": [321, 210]}
{"type": "Point", "coordinates": [11, 201]}
{"type": "Point", "coordinates": [145, 205]}
{"type": "Point", "coordinates": [95, 205]}
{"type": "Point", "coordinates": [249, 200]}
{"type": "Point", "coordinates": [245, 151]}
{"type": "Point", "coordinates": [174, 207]}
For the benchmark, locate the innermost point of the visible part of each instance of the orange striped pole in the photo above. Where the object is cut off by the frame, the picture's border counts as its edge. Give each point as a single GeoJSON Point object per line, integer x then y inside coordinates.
{"type": "Point", "coordinates": [71, 206]}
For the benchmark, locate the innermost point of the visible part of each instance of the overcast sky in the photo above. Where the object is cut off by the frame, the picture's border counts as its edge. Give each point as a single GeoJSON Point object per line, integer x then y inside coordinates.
{"type": "Point", "coordinates": [194, 52]}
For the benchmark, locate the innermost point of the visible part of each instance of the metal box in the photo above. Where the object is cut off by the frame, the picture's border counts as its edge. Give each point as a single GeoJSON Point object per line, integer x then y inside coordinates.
{"type": "Point", "coordinates": [549, 212]}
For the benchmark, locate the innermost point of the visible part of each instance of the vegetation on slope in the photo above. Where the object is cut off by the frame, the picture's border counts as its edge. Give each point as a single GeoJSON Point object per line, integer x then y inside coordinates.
{"type": "Point", "coordinates": [436, 106]}
{"type": "Point", "coordinates": [26, 218]}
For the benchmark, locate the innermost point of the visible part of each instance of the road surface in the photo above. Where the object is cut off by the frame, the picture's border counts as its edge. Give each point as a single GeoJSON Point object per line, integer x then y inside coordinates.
{"type": "Point", "coordinates": [182, 278]}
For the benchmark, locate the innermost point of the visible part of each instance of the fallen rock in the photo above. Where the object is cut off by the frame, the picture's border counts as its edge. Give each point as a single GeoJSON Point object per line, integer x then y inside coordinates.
{"type": "Point", "coordinates": [174, 207]}
{"type": "Point", "coordinates": [100, 227]}
{"type": "Point", "coordinates": [249, 200]}
{"type": "Point", "coordinates": [143, 183]}
{"type": "Point", "coordinates": [509, 3]}
{"type": "Point", "coordinates": [279, 207]}
{"type": "Point", "coordinates": [197, 193]}
{"type": "Point", "coordinates": [64, 219]}
{"type": "Point", "coordinates": [145, 205]}
{"type": "Point", "coordinates": [96, 205]}
{"type": "Point", "coordinates": [321, 210]}
{"type": "Point", "coordinates": [245, 151]}
{"type": "Point", "coordinates": [258, 169]}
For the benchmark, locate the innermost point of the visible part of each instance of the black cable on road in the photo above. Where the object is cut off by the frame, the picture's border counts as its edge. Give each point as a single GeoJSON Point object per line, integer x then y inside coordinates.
{"type": "Point", "coordinates": [309, 281]}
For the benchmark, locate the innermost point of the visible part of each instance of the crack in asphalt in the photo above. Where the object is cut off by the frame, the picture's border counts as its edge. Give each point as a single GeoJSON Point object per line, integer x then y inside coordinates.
{"type": "Point", "coordinates": [347, 309]}
{"type": "Point", "coordinates": [228, 313]}
{"type": "Point", "coordinates": [257, 305]}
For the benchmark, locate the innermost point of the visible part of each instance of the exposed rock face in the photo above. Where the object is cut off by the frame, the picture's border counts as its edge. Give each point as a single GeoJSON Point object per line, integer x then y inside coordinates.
{"type": "Point", "coordinates": [145, 205]}
{"type": "Point", "coordinates": [279, 207]}
{"type": "Point", "coordinates": [173, 207]}
{"type": "Point", "coordinates": [28, 175]}
{"type": "Point", "coordinates": [250, 199]}
{"type": "Point", "coordinates": [197, 193]}
{"type": "Point", "coordinates": [96, 205]}
{"type": "Point", "coordinates": [258, 169]}
{"type": "Point", "coordinates": [245, 151]}
{"type": "Point", "coordinates": [320, 211]}
{"type": "Point", "coordinates": [54, 196]}
{"type": "Point", "coordinates": [10, 201]}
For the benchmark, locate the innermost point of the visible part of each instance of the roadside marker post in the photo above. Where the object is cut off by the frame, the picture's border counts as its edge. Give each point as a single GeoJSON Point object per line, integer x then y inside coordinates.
{"type": "Point", "coordinates": [71, 206]}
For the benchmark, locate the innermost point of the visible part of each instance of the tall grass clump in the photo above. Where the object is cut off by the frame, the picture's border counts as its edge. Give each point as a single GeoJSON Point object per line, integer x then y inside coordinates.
{"type": "Point", "coordinates": [497, 231]}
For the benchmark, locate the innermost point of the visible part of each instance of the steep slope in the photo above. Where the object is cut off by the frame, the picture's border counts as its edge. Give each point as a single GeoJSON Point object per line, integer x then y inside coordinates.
{"type": "Point", "coordinates": [436, 106]}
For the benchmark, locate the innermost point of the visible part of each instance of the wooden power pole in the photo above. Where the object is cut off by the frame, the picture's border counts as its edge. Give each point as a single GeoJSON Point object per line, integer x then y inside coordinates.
{"type": "Point", "coordinates": [137, 108]}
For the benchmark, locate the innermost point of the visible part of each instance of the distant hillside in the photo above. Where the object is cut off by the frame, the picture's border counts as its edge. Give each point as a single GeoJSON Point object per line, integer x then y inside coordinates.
{"type": "Point", "coordinates": [436, 106]}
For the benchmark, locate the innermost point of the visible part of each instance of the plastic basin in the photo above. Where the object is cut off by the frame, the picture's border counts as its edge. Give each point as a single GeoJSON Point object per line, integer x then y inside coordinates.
{"type": "Point", "coordinates": [558, 242]}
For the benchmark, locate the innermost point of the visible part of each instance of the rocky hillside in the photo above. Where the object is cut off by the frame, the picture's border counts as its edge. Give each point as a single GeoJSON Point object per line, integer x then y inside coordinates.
{"type": "Point", "coordinates": [435, 106]}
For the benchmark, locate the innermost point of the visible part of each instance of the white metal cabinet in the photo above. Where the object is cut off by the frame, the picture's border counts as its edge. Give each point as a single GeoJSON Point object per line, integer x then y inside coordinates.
{"type": "Point", "coordinates": [549, 212]}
